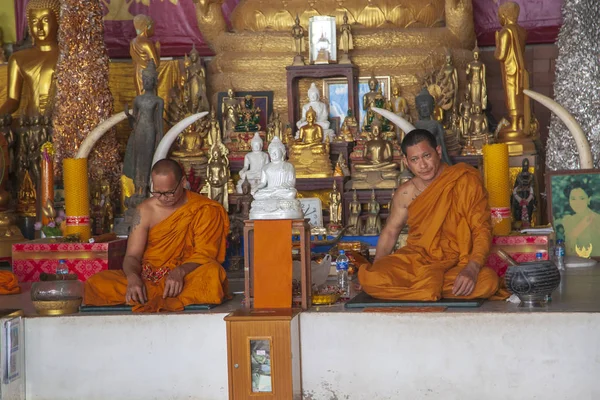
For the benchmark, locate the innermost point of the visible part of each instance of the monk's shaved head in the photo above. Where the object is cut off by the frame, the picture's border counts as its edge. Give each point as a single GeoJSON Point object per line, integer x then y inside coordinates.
{"type": "Point", "coordinates": [417, 136]}
{"type": "Point", "coordinates": [166, 166]}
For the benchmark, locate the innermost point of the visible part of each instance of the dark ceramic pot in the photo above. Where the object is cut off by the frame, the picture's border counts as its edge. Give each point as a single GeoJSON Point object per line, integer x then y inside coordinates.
{"type": "Point", "coordinates": [532, 282]}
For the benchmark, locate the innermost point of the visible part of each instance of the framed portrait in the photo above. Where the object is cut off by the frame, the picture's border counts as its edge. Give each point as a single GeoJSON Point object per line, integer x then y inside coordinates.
{"type": "Point", "coordinates": [263, 100]}
{"type": "Point", "coordinates": [336, 90]}
{"type": "Point", "coordinates": [322, 45]}
{"type": "Point", "coordinates": [574, 210]}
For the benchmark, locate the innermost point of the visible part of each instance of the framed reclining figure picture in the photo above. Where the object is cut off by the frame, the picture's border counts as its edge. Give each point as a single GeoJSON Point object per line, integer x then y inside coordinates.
{"type": "Point", "coordinates": [574, 210]}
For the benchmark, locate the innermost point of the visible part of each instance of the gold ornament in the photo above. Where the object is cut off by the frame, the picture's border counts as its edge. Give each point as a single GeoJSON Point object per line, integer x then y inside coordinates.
{"type": "Point", "coordinates": [309, 155]}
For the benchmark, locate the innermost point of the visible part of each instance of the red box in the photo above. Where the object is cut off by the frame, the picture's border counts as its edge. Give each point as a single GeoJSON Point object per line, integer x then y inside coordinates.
{"type": "Point", "coordinates": [521, 247]}
{"type": "Point", "coordinates": [30, 259]}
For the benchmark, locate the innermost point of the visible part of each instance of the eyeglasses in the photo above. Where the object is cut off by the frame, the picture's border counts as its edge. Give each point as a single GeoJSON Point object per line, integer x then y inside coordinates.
{"type": "Point", "coordinates": [170, 193]}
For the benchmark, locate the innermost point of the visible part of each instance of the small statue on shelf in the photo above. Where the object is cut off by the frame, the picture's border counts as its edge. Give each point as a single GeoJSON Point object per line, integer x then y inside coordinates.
{"type": "Point", "coordinates": [321, 111]}
{"type": "Point", "coordinates": [229, 112]}
{"type": "Point", "coordinates": [254, 162]}
{"type": "Point", "coordinates": [346, 42]}
{"type": "Point", "coordinates": [354, 221]}
{"type": "Point", "coordinates": [478, 130]}
{"type": "Point", "coordinates": [349, 128]}
{"type": "Point", "coordinates": [248, 116]}
{"type": "Point", "coordinates": [27, 199]}
{"type": "Point", "coordinates": [298, 45]}
{"type": "Point", "coordinates": [476, 85]}
{"type": "Point", "coordinates": [309, 155]}
{"type": "Point", "coordinates": [341, 169]}
{"type": "Point", "coordinates": [425, 105]}
{"type": "Point", "coordinates": [195, 76]}
{"type": "Point", "coordinates": [374, 98]}
{"type": "Point", "coordinates": [523, 197]}
{"type": "Point", "coordinates": [373, 225]}
{"type": "Point", "coordinates": [274, 127]}
{"type": "Point", "coordinates": [275, 197]}
{"type": "Point", "coordinates": [214, 134]}
{"type": "Point", "coordinates": [399, 106]}
{"type": "Point", "coordinates": [217, 174]}
{"type": "Point", "coordinates": [335, 210]}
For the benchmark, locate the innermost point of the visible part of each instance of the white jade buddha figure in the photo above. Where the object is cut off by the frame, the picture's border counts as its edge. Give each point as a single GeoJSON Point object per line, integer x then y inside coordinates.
{"type": "Point", "coordinates": [320, 109]}
{"type": "Point", "coordinates": [253, 164]}
{"type": "Point", "coordinates": [275, 196]}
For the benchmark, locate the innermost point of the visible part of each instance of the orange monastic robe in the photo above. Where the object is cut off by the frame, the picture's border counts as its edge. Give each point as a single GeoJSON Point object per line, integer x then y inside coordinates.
{"type": "Point", "coordinates": [449, 224]}
{"type": "Point", "coordinates": [9, 284]}
{"type": "Point", "coordinates": [195, 233]}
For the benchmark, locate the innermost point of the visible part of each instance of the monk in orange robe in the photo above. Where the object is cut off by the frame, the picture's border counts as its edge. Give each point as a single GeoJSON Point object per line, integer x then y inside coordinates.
{"type": "Point", "coordinates": [449, 236]}
{"type": "Point", "coordinates": [174, 253]}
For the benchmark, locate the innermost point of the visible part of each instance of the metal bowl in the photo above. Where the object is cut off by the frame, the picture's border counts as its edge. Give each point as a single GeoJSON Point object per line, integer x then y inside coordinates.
{"type": "Point", "coordinates": [57, 297]}
{"type": "Point", "coordinates": [532, 282]}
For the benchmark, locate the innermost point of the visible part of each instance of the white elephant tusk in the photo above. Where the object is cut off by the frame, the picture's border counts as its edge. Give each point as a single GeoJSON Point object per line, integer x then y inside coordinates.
{"type": "Point", "coordinates": [167, 141]}
{"type": "Point", "coordinates": [395, 119]}
{"type": "Point", "coordinates": [583, 146]}
{"type": "Point", "coordinates": [88, 143]}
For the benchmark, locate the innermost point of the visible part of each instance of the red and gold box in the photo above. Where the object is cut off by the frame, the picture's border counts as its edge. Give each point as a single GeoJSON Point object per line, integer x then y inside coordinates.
{"type": "Point", "coordinates": [521, 247]}
{"type": "Point", "coordinates": [30, 259]}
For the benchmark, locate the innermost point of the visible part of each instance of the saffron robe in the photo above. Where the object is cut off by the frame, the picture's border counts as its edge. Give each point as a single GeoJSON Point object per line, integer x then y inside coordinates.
{"type": "Point", "coordinates": [194, 233]}
{"type": "Point", "coordinates": [449, 225]}
{"type": "Point", "coordinates": [9, 284]}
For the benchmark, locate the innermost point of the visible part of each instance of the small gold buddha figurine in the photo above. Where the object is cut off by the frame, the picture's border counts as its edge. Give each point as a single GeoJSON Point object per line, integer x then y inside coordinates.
{"type": "Point", "coordinates": [478, 129]}
{"type": "Point", "coordinates": [335, 210]}
{"type": "Point", "coordinates": [355, 227]}
{"type": "Point", "coordinates": [218, 174]}
{"type": "Point", "coordinates": [510, 52]}
{"type": "Point", "coordinates": [449, 74]}
{"type": "Point", "coordinates": [27, 201]}
{"type": "Point", "coordinates": [349, 127]}
{"type": "Point", "coordinates": [214, 133]}
{"type": "Point", "coordinates": [32, 70]}
{"type": "Point", "coordinates": [229, 112]}
{"type": "Point", "coordinates": [373, 223]}
{"type": "Point", "coordinates": [476, 85]}
{"type": "Point", "coordinates": [298, 45]}
{"type": "Point", "coordinates": [274, 127]}
{"type": "Point", "coordinates": [379, 171]}
{"type": "Point", "coordinates": [195, 77]}
{"type": "Point", "coordinates": [142, 49]}
{"type": "Point", "coordinates": [308, 154]}
{"type": "Point", "coordinates": [346, 42]}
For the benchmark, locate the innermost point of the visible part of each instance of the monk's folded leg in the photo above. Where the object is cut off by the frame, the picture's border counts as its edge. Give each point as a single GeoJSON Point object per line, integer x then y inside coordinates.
{"type": "Point", "coordinates": [106, 288]}
{"type": "Point", "coordinates": [207, 284]}
{"type": "Point", "coordinates": [486, 286]}
{"type": "Point", "coordinates": [402, 276]}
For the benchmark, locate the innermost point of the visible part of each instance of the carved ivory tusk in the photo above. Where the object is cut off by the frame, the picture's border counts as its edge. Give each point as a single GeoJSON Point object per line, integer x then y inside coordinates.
{"type": "Point", "coordinates": [395, 119]}
{"type": "Point", "coordinates": [167, 141]}
{"type": "Point", "coordinates": [583, 146]}
{"type": "Point", "coordinates": [88, 143]}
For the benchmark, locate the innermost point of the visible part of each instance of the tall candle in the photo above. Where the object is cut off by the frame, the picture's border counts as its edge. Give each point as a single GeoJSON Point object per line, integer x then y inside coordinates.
{"type": "Point", "coordinates": [497, 183]}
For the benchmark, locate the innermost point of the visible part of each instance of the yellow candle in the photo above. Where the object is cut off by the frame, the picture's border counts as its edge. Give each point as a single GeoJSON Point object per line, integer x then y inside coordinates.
{"type": "Point", "coordinates": [77, 200]}
{"type": "Point", "coordinates": [497, 183]}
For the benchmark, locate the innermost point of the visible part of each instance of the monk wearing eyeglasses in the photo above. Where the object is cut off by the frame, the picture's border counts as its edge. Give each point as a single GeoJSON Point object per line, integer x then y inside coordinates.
{"type": "Point", "coordinates": [174, 253]}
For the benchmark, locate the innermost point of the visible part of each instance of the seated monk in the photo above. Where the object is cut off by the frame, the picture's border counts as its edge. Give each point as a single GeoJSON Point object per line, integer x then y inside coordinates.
{"type": "Point", "coordinates": [449, 234]}
{"type": "Point", "coordinates": [174, 251]}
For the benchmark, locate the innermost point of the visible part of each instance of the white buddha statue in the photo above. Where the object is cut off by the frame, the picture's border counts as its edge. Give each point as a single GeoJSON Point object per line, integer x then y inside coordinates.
{"type": "Point", "coordinates": [253, 164]}
{"type": "Point", "coordinates": [322, 113]}
{"type": "Point", "coordinates": [275, 196]}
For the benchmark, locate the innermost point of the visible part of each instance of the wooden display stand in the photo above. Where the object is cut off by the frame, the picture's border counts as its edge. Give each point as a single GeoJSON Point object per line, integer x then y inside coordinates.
{"type": "Point", "coordinates": [295, 73]}
{"type": "Point", "coordinates": [299, 226]}
{"type": "Point", "coordinates": [263, 354]}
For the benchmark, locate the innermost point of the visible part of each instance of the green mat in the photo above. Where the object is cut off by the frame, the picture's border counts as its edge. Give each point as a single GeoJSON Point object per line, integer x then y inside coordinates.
{"type": "Point", "coordinates": [363, 300]}
{"type": "Point", "coordinates": [126, 308]}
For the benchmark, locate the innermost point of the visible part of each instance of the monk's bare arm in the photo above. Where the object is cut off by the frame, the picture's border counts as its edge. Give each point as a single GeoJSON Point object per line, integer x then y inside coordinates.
{"type": "Point", "coordinates": [136, 244]}
{"type": "Point", "coordinates": [395, 222]}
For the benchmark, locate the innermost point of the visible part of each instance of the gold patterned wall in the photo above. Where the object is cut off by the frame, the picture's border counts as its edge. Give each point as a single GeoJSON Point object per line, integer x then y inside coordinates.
{"type": "Point", "coordinates": [254, 56]}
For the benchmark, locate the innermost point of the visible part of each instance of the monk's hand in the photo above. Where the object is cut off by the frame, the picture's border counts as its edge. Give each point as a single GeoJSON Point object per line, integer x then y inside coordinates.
{"type": "Point", "coordinates": [466, 280]}
{"type": "Point", "coordinates": [174, 283]}
{"type": "Point", "coordinates": [136, 290]}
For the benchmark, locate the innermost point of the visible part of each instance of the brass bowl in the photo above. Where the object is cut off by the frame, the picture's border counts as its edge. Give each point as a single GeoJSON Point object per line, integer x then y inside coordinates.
{"type": "Point", "coordinates": [325, 299]}
{"type": "Point", "coordinates": [57, 307]}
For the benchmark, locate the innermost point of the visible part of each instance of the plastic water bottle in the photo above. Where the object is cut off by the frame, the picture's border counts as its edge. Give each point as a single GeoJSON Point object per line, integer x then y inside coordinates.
{"type": "Point", "coordinates": [559, 254]}
{"type": "Point", "coordinates": [62, 268]}
{"type": "Point", "coordinates": [539, 256]}
{"type": "Point", "coordinates": [341, 265]}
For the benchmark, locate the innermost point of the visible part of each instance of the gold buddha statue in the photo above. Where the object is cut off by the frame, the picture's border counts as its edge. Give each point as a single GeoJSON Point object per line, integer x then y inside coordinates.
{"type": "Point", "coordinates": [510, 52]}
{"type": "Point", "coordinates": [142, 49]}
{"type": "Point", "coordinates": [380, 171]}
{"type": "Point", "coordinates": [31, 71]}
{"type": "Point", "coordinates": [308, 154]}
{"type": "Point", "coordinates": [27, 201]}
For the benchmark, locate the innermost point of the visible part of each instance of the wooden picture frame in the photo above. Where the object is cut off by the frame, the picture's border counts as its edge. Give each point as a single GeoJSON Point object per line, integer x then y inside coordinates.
{"type": "Point", "coordinates": [263, 99]}
{"type": "Point", "coordinates": [574, 210]}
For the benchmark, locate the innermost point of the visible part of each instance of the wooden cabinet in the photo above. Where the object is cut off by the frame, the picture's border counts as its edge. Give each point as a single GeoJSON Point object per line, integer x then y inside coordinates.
{"type": "Point", "coordinates": [263, 354]}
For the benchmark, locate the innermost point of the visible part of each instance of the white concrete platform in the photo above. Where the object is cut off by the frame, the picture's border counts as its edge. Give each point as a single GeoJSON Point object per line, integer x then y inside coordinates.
{"type": "Point", "coordinates": [498, 351]}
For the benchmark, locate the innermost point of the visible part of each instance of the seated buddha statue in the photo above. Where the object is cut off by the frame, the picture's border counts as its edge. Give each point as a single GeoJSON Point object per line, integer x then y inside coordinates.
{"type": "Point", "coordinates": [308, 154]}
{"type": "Point", "coordinates": [379, 171]}
{"type": "Point", "coordinates": [321, 110]}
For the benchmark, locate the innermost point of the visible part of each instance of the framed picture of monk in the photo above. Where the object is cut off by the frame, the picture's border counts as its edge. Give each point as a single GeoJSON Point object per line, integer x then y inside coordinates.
{"type": "Point", "coordinates": [574, 210]}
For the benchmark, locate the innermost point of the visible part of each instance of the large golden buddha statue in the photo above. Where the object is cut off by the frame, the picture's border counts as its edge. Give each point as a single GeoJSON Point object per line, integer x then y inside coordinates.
{"type": "Point", "coordinates": [379, 170]}
{"type": "Point", "coordinates": [142, 49]}
{"type": "Point", "coordinates": [308, 154]}
{"type": "Point", "coordinates": [31, 71]}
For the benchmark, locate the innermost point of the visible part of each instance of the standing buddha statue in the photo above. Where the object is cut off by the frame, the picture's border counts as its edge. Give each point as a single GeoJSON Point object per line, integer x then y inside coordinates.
{"type": "Point", "coordinates": [229, 113]}
{"type": "Point", "coordinates": [335, 210]}
{"type": "Point", "coordinates": [373, 224]}
{"type": "Point", "coordinates": [217, 174]}
{"type": "Point", "coordinates": [142, 49]}
{"type": "Point", "coordinates": [476, 85]}
{"type": "Point", "coordinates": [354, 222]}
{"type": "Point", "coordinates": [346, 42]}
